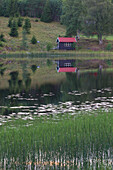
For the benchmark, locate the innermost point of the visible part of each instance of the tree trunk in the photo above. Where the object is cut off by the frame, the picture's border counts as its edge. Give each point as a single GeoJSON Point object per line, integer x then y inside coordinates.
{"type": "Point", "coordinates": [100, 39]}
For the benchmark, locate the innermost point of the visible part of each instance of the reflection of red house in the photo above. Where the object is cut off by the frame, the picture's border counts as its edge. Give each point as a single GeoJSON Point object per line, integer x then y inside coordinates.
{"type": "Point", "coordinates": [67, 69]}
{"type": "Point", "coordinates": [66, 43]}
{"type": "Point", "coordinates": [66, 66]}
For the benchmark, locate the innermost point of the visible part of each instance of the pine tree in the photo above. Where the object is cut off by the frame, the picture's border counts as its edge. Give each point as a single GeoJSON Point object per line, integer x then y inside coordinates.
{"type": "Point", "coordinates": [10, 22]}
{"type": "Point", "coordinates": [20, 21]}
{"type": "Point", "coordinates": [14, 29]}
{"type": "Point", "coordinates": [33, 40]}
{"type": "Point", "coordinates": [24, 41]}
{"type": "Point", "coordinates": [27, 26]}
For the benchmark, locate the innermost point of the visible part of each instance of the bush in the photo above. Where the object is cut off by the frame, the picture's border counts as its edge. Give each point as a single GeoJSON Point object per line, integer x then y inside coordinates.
{"type": "Point", "coordinates": [1, 45]}
{"type": "Point", "coordinates": [2, 38]}
{"type": "Point", "coordinates": [36, 20]}
{"type": "Point", "coordinates": [109, 47]}
{"type": "Point", "coordinates": [33, 68]}
{"type": "Point", "coordinates": [33, 40]}
{"type": "Point", "coordinates": [49, 46]}
{"type": "Point", "coordinates": [49, 62]}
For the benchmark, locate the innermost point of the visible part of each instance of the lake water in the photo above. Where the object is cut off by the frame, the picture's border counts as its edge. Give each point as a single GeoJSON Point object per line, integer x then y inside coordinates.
{"type": "Point", "coordinates": [75, 92]}
{"type": "Point", "coordinates": [53, 135]}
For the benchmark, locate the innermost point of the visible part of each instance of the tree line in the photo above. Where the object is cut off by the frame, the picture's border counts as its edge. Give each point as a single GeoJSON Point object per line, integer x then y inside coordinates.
{"type": "Point", "coordinates": [47, 10]}
{"type": "Point", "coordinates": [87, 16]}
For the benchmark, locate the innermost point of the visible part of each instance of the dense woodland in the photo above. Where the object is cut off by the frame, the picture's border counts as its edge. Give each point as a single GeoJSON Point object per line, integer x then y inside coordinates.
{"type": "Point", "coordinates": [88, 16]}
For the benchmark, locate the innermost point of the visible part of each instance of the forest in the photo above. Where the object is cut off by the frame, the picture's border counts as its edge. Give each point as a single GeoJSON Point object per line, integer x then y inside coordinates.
{"type": "Point", "coordinates": [91, 17]}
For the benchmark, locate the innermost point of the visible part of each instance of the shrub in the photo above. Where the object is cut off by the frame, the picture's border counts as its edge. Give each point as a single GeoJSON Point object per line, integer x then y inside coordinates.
{"type": "Point", "coordinates": [1, 44]}
{"type": "Point", "coordinates": [109, 47]}
{"type": "Point", "coordinates": [49, 62]}
{"type": "Point", "coordinates": [49, 46]}
{"type": "Point", "coordinates": [33, 40]}
{"type": "Point", "coordinates": [36, 20]}
{"type": "Point", "coordinates": [2, 38]}
{"type": "Point", "coordinates": [33, 68]}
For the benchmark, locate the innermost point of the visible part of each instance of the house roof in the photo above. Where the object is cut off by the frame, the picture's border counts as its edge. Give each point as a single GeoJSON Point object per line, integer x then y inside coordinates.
{"type": "Point", "coordinates": [66, 39]}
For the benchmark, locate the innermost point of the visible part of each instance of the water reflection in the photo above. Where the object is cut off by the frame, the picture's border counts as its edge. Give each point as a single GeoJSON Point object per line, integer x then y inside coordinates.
{"type": "Point", "coordinates": [86, 91]}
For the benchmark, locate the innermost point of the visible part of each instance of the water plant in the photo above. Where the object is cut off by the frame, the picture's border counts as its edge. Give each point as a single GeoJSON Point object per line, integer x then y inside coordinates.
{"type": "Point", "coordinates": [83, 141]}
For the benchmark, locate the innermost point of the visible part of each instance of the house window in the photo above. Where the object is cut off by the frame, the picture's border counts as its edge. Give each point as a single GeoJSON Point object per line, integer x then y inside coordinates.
{"type": "Point", "coordinates": [67, 64]}
{"type": "Point", "coordinates": [67, 44]}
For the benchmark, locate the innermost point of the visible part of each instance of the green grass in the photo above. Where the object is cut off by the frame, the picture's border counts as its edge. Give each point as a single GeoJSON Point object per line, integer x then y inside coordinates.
{"type": "Point", "coordinates": [60, 138]}
{"type": "Point", "coordinates": [44, 32]}
{"type": "Point", "coordinates": [105, 37]}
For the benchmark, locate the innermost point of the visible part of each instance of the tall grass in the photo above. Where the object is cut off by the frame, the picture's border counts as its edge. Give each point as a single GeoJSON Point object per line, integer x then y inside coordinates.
{"type": "Point", "coordinates": [83, 141]}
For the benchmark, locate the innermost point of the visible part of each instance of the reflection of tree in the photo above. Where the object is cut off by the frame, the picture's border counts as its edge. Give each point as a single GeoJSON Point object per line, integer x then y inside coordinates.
{"type": "Point", "coordinates": [27, 81]}
{"type": "Point", "coordinates": [85, 83]}
{"type": "Point", "coordinates": [2, 69]}
{"type": "Point", "coordinates": [15, 85]}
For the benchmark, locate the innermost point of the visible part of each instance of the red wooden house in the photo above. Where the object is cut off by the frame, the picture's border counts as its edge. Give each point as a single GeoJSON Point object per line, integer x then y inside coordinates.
{"type": "Point", "coordinates": [66, 43]}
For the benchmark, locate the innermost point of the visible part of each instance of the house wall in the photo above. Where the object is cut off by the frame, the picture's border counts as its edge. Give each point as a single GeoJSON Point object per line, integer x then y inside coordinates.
{"type": "Point", "coordinates": [66, 46]}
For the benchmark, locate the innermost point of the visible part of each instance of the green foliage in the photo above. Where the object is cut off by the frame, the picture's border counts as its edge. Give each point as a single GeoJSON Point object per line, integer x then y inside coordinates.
{"type": "Point", "coordinates": [24, 45]}
{"type": "Point", "coordinates": [36, 20]}
{"type": "Point", "coordinates": [1, 44]}
{"type": "Point", "coordinates": [47, 13]}
{"type": "Point", "coordinates": [74, 45]}
{"type": "Point", "coordinates": [98, 18]}
{"type": "Point", "coordinates": [12, 8]}
{"type": "Point", "coordinates": [2, 38]}
{"type": "Point", "coordinates": [33, 68]}
{"type": "Point", "coordinates": [49, 46]}
{"type": "Point", "coordinates": [14, 29]}
{"type": "Point", "coordinates": [49, 62]}
{"type": "Point", "coordinates": [20, 21]}
{"type": "Point", "coordinates": [34, 40]}
{"type": "Point", "coordinates": [10, 22]}
{"type": "Point", "coordinates": [27, 25]}
{"type": "Point", "coordinates": [72, 10]}
{"type": "Point", "coordinates": [14, 75]}
{"type": "Point", "coordinates": [109, 47]}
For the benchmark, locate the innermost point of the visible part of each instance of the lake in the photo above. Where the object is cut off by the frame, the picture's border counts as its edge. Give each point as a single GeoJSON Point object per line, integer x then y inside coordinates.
{"type": "Point", "coordinates": [56, 120]}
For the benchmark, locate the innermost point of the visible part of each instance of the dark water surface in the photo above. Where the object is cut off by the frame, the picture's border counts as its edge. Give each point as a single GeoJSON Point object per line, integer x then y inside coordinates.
{"type": "Point", "coordinates": [77, 92]}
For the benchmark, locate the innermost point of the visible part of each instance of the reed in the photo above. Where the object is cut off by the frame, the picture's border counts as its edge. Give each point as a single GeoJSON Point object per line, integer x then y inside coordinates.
{"type": "Point", "coordinates": [82, 141]}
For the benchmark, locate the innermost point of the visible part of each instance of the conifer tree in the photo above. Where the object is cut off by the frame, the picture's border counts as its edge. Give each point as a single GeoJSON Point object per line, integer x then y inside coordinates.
{"type": "Point", "coordinates": [27, 25]}
{"type": "Point", "coordinates": [20, 21]}
{"type": "Point", "coordinates": [47, 13]}
{"type": "Point", "coordinates": [33, 40]}
{"type": "Point", "coordinates": [10, 22]}
{"type": "Point", "coordinates": [14, 29]}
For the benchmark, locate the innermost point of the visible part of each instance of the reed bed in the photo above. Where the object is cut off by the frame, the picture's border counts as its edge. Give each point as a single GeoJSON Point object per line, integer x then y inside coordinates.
{"type": "Point", "coordinates": [61, 141]}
